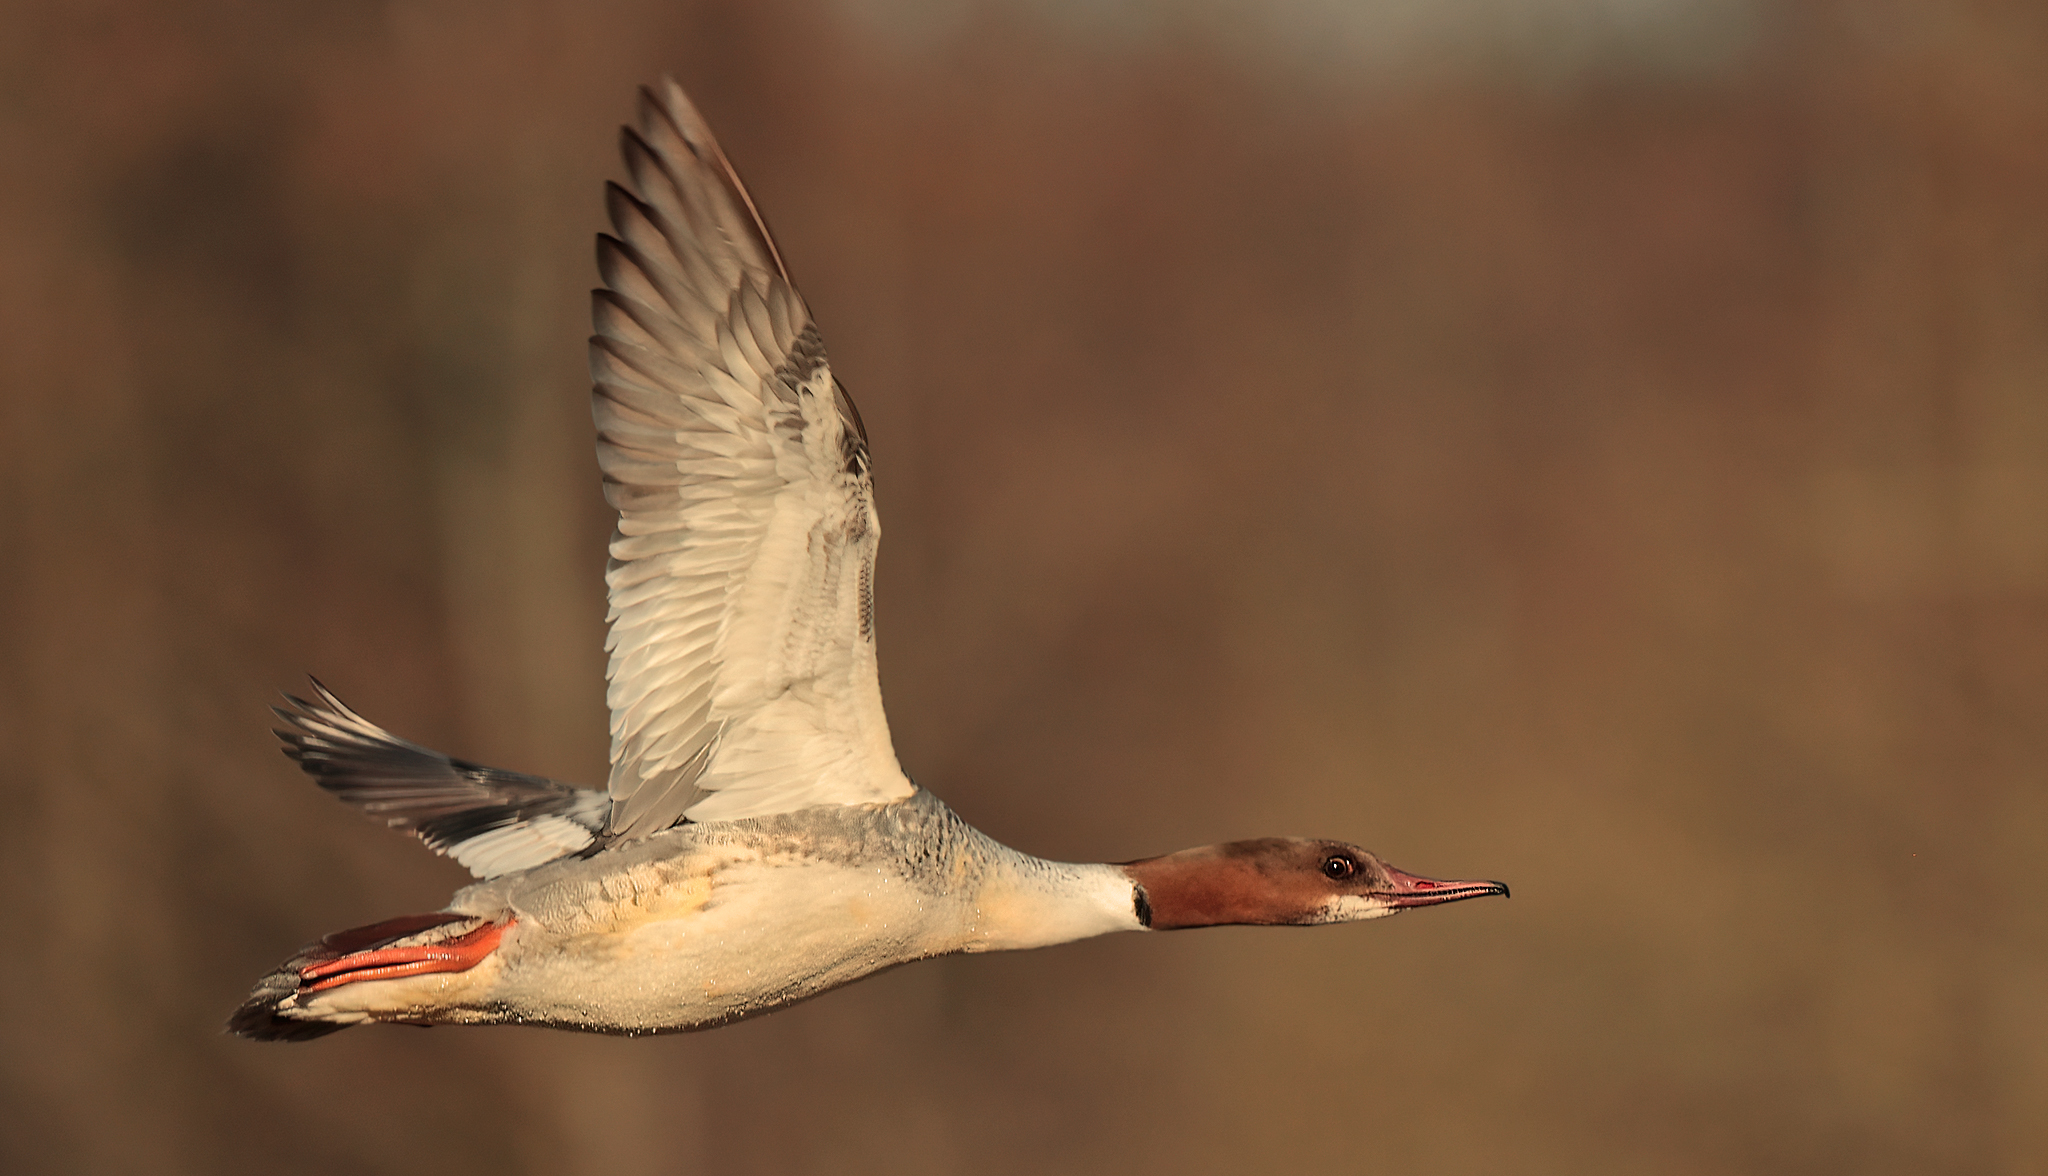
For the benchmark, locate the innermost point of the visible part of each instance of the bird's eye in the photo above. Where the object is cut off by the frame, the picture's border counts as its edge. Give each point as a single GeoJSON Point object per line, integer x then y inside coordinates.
{"type": "Point", "coordinates": [1337, 867]}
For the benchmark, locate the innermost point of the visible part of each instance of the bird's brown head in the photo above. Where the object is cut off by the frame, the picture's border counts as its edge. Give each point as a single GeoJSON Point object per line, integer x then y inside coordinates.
{"type": "Point", "coordinates": [1283, 880]}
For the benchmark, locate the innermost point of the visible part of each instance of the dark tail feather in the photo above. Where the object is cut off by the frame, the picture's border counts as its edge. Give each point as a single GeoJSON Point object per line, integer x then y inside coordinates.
{"type": "Point", "coordinates": [262, 1016]}
{"type": "Point", "coordinates": [259, 1019]}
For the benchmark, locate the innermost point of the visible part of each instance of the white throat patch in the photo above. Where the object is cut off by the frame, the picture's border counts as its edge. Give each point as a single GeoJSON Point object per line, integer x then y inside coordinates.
{"type": "Point", "coordinates": [1355, 908]}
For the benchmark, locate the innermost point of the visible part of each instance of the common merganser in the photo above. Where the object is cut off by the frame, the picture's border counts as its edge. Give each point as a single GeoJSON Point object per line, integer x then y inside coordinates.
{"type": "Point", "coordinates": [758, 843]}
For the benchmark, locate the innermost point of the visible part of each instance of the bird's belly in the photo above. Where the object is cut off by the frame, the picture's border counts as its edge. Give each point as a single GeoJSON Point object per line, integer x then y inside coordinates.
{"type": "Point", "coordinates": [710, 947]}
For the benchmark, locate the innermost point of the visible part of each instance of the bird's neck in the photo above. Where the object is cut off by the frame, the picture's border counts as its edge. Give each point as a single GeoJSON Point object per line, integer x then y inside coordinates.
{"type": "Point", "coordinates": [1025, 902]}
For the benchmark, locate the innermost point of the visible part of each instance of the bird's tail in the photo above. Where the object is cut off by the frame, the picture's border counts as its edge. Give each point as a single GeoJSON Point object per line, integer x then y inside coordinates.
{"type": "Point", "coordinates": [280, 1007]}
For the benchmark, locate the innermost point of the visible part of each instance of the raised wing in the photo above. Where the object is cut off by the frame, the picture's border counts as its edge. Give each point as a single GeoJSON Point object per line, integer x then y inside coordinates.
{"type": "Point", "coordinates": [742, 672]}
{"type": "Point", "coordinates": [491, 820]}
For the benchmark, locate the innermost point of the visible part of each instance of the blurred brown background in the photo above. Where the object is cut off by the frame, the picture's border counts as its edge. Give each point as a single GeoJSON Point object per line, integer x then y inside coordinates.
{"type": "Point", "coordinates": [1600, 444]}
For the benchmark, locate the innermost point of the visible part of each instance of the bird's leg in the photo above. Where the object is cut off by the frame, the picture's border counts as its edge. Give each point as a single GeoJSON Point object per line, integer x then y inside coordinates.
{"type": "Point", "coordinates": [459, 954]}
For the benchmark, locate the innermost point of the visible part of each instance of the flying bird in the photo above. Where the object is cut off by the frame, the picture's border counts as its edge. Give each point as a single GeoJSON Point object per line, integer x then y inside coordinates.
{"type": "Point", "coordinates": [757, 842]}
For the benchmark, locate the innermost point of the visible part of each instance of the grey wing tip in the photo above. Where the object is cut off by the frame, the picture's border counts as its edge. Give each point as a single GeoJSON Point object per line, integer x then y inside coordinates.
{"type": "Point", "coordinates": [630, 142]}
{"type": "Point", "coordinates": [329, 702]}
{"type": "Point", "coordinates": [489, 820]}
{"type": "Point", "coordinates": [310, 725]}
{"type": "Point", "coordinates": [667, 99]}
{"type": "Point", "coordinates": [672, 106]}
{"type": "Point", "coordinates": [617, 195]}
